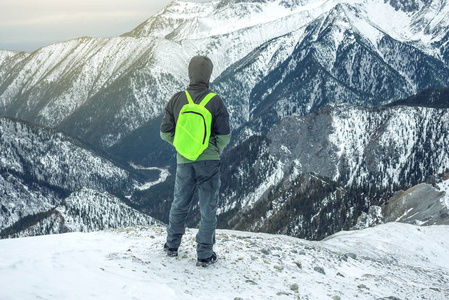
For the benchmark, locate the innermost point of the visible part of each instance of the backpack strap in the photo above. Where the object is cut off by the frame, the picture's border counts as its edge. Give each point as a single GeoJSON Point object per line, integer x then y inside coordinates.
{"type": "Point", "coordinates": [207, 99]}
{"type": "Point", "coordinates": [203, 102]}
{"type": "Point", "coordinates": [189, 98]}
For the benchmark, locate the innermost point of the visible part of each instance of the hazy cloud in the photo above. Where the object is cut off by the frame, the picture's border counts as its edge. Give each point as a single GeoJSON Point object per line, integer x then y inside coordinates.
{"type": "Point", "coordinates": [26, 25]}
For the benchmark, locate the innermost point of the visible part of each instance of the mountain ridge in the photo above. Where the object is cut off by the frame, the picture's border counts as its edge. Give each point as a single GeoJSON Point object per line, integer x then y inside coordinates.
{"type": "Point", "coordinates": [84, 210]}
{"type": "Point", "coordinates": [39, 167]}
{"type": "Point", "coordinates": [98, 80]}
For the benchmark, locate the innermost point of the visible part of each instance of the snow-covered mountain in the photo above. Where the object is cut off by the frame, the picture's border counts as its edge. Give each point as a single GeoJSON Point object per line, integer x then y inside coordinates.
{"type": "Point", "coordinates": [346, 54]}
{"type": "Point", "coordinates": [296, 76]}
{"type": "Point", "coordinates": [359, 157]}
{"type": "Point", "coordinates": [40, 167]}
{"type": "Point", "coordinates": [391, 261]}
{"type": "Point", "coordinates": [272, 59]}
{"type": "Point", "coordinates": [380, 146]}
{"type": "Point", "coordinates": [83, 211]}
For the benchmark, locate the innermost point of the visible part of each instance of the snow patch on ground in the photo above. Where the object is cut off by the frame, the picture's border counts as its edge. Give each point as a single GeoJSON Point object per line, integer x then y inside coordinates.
{"type": "Point", "coordinates": [390, 260]}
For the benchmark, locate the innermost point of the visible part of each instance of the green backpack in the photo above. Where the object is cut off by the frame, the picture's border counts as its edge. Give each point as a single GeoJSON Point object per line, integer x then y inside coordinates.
{"type": "Point", "coordinates": [193, 128]}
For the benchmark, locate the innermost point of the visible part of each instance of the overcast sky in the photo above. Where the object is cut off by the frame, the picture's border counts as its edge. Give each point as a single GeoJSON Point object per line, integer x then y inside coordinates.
{"type": "Point", "coordinates": [26, 25]}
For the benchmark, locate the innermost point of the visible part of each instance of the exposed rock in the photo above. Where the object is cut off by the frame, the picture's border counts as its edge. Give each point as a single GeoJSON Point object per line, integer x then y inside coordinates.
{"type": "Point", "coordinates": [421, 205]}
{"type": "Point", "coordinates": [319, 270]}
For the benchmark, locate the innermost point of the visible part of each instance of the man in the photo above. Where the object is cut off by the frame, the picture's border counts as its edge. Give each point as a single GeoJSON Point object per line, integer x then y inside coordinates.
{"type": "Point", "coordinates": [202, 174]}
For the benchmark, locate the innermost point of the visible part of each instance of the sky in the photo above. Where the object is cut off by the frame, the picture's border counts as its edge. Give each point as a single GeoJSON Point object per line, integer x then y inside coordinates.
{"type": "Point", "coordinates": [26, 25]}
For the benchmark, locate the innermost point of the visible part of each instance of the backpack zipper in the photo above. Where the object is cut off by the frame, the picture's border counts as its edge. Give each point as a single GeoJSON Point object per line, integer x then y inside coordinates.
{"type": "Point", "coordinates": [204, 120]}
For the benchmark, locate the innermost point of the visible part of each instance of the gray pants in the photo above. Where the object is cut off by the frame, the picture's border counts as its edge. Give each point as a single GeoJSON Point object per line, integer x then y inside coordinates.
{"type": "Point", "coordinates": [203, 176]}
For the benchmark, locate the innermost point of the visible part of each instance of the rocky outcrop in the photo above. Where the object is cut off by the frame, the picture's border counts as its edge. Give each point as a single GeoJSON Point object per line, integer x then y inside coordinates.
{"type": "Point", "coordinates": [421, 204]}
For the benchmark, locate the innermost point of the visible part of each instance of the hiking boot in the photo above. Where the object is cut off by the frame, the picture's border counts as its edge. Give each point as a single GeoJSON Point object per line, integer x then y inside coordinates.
{"type": "Point", "coordinates": [207, 261]}
{"type": "Point", "coordinates": [172, 252]}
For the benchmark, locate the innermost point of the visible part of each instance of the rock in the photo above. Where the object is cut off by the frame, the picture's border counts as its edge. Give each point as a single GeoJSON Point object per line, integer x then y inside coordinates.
{"type": "Point", "coordinates": [251, 282]}
{"type": "Point", "coordinates": [265, 251]}
{"type": "Point", "coordinates": [294, 287]}
{"type": "Point", "coordinates": [351, 255]}
{"type": "Point", "coordinates": [298, 263]}
{"type": "Point", "coordinates": [279, 268]}
{"type": "Point", "coordinates": [420, 204]}
{"type": "Point", "coordinates": [319, 270]}
{"type": "Point", "coordinates": [362, 286]}
{"type": "Point", "coordinates": [445, 176]}
{"type": "Point", "coordinates": [370, 219]}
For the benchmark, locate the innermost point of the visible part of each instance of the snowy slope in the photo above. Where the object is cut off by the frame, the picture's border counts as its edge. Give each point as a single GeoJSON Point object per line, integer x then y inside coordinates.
{"type": "Point", "coordinates": [399, 261]}
{"type": "Point", "coordinates": [53, 157]}
{"type": "Point", "coordinates": [39, 167]}
{"type": "Point", "coordinates": [357, 145]}
{"type": "Point", "coordinates": [87, 210]}
{"type": "Point", "coordinates": [347, 53]}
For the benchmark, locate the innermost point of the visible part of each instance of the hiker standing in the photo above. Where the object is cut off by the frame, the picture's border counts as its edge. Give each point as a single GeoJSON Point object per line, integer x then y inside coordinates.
{"type": "Point", "coordinates": [199, 168]}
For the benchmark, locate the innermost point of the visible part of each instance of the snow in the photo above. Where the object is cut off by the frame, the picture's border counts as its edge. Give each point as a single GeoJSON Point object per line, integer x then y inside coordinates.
{"type": "Point", "coordinates": [391, 260]}
{"type": "Point", "coordinates": [164, 173]}
{"type": "Point", "coordinates": [404, 214]}
{"type": "Point", "coordinates": [404, 128]}
{"type": "Point", "coordinates": [444, 186]}
{"type": "Point", "coordinates": [271, 180]}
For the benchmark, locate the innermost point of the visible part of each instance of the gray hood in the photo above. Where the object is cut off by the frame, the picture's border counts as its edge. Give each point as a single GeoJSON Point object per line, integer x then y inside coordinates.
{"type": "Point", "coordinates": [200, 70]}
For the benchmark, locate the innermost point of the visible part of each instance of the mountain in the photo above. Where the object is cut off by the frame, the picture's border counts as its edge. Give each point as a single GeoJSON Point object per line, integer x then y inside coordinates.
{"type": "Point", "coordinates": [360, 157]}
{"type": "Point", "coordinates": [314, 175]}
{"type": "Point", "coordinates": [391, 261]}
{"type": "Point", "coordinates": [272, 59]}
{"type": "Point", "coordinates": [39, 167]}
{"type": "Point", "coordinates": [344, 55]}
{"type": "Point", "coordinates": [304, 81]}
{"type": "Point", "coordinates": [357, 145]}
{"type": "Point", "coordinates": [83, 211]}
